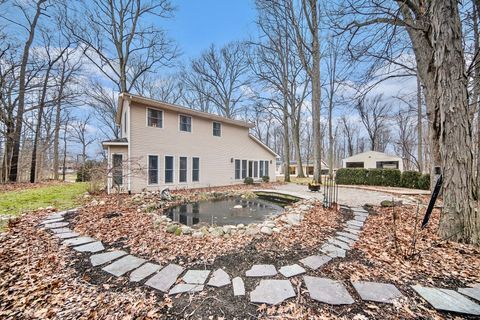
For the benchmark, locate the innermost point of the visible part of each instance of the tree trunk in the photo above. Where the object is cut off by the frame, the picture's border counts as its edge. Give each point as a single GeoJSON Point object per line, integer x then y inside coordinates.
{"type": "Point", "coordinates": [316, 105]}
{"type": "Point", "coordinates": [286, 146]}
{"type": "Point", "coordinates": [459, 220]}
{"type": "Point", "coordinates": [56, 133]}
{"type": "Point", "coordinates": [296, 144]}
{"type": "Point", "coordinates": [419, 126]}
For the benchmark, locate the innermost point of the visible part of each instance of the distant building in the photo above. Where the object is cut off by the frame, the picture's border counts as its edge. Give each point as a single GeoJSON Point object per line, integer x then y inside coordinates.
{"type": "Point", "coordinates": [307, 169]}
{"type": "Point", "coordinates": [372, 160]}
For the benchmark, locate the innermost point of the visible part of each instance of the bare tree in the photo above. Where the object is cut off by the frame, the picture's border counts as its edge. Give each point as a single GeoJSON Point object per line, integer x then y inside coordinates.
{"type": "Point", "coordinates": [374, 114]}
{"type": "Point", "coordinates": [118, 40]}
{"type": "Point", "coordinates": [224, 71]}
{"type": "Point", "coordinates": [168, 89]}
{"type": "Point", "coordinates": [103, 102]}
{"type": "Point", "coordinates": [350, 131]}
{"type": "Point", "coordinates": [82, 135]}
{"type": "Point", "coordinates": [30, 26]}
{"type": "Point", "coordinates": [308, 44]}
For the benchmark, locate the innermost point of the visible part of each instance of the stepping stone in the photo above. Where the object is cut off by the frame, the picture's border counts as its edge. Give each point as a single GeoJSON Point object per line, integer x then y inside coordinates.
{"type": "Point", "coordinates": [262, 270]}
{"type": "Point", "coordinates": [57, 215]}
{"type": "Point", "coordinates": [355, 223]}
{"type": "Point", "coordinates": [61, 230]}
{"type": "Point", "coordinates": [272, 292]}
{"type": "Point", "coordinates": [78, 241]}
{"type": "Point", "coordinates": [164, 279]}
{"type": "Point", "coordinates": [352, 231]}
{"type": "Point", "coordinates": [291, 271]}
{"type": "Point", "coordinates": [102, 258]}
{"type": "Point", "coordinates": [471, 292]}
{"type": "Point", "coordinates": [238, 287]}
{"type": "Point", "coordinates": [186, 287]}
{"type": "Point", "coordinates": [447, 300]}
{"type": "Point", "coordinates": [196, 276]}
{"type": "Point", "coordinates": [377, 292]}
{"type": "Point", "coordinates": [333, 251]}
{"type": "Point", "coordinates": [360, 218]}
{"type": "Point", "coordinates": [327, 291]}
{"type": "Point", "coordinates": [219, 279]}
{"type": "Point", "coordinates": [51, 221]}
{"type": "Point", "coordinates": [124, 265]}
{"type": "Point", "coordinates": [55, 225]}
{"type": "Point", "coordinates": [315, 262]}
{"type": "Point", "coordinates": [144, 271]}
{"type": "Point", "coordinates": [66, 235]}
{"type": "Point", "coordinates": [359, 209]}
{"type": "Point", "coordinates": [348, 241]}
{"type": "Point", "coordinates": [348, 235]}
{"type": "Point", "coordinates": [90, 247]}
{"type": "Point", "coordinates": [339, 244]}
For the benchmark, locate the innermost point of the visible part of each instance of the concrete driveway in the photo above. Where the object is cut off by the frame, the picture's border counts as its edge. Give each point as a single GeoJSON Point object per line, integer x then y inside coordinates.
{"type": "Point", "coordinates": [346, 196]}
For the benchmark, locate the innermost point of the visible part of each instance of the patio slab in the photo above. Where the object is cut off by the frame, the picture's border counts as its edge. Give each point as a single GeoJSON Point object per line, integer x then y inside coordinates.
{"type": "Point", "coordinates": [327, 291]}
{"type": "Point", "coordinates": [102, 258]}
{"type": "Point", "coordinates": [144, 271]}
{"type": "Point", "coordinates": [272, 292]}
{"type": "Point", "coordinates": [333, 251]}
{"type": "Point", "coordinates": [315, 262]}
{"type": "Point", "coordinates": [473, 293]}
{"type": "Point", "coordinates": [92, 247]}
{"type": "Point", "coordinates": [165, 278]}
{"type": "Point", "coordinates": [447, 300]}
{"type": "Point", "coordinates": [78, 241]}
{"type": "Point", "coordinates": [262, 270]}
{"type": "Point", "coordinates": [196, 276]}
{"type": "Point", "coordinates": [377, 292]}
{"type": "Point", "coordinates": [124, 265]}
{"type": "Point", "coordinates": [291, 271]}
{"type": "Point", "coordinates": [219, 279]}
{"type": "Point", "coordinates": [238, 287]}
{"type": "Point", "coordinates": [186, 287]}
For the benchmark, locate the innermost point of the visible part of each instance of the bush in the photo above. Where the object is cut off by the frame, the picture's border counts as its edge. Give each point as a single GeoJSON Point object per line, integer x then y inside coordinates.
{"type": "Point", "coordinates": [248, 180]}
{"type": "Point", "coordinates": [351, 176]}
{"type": "Point", "coordinates": [391, 177]}
{"type": "Point", "coordinates": [424, 182]}
{"type": "Point", "coordinates": [375, 177]}
{"type": "Point", "coordinates": [410, 179]}
{"type": "Point", "coordinates": [266, 179]}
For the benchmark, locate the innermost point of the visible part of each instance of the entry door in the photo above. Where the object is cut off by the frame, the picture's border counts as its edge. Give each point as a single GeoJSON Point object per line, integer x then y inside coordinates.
{"type": "Point", "coordinates": [250, 168]}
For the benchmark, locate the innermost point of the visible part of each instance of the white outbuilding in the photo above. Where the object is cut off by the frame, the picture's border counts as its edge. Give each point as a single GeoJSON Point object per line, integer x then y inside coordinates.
{"type": "Point", "coordinates": [372, 160]}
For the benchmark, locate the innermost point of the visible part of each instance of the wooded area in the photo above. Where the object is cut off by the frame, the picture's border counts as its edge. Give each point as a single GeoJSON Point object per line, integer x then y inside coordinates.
{"type": "Point", "coordinates": [316, 80]}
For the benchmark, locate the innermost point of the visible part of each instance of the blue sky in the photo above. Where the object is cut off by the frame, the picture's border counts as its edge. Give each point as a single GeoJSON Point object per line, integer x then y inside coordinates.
{"type": "Point", "coordinates": [198, 23]}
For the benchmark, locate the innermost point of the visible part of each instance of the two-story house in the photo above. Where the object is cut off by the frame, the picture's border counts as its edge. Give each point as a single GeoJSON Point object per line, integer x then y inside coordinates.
{"type": "Point", "coordinates": [165, 145]}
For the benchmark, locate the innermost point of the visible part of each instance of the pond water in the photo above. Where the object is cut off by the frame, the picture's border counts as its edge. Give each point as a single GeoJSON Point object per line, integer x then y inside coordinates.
{"type": "Point", "coordinates": [224, 212]}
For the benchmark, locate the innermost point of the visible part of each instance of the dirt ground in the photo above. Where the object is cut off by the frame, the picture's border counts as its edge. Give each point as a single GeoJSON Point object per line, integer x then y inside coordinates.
{"type": "Point", "coordinates": [41, 279]}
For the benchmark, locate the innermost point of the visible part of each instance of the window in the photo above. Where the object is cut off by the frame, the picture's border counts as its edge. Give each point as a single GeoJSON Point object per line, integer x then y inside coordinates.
{"type": "Point", "coordinates": [237, 169]}
{"type": "Point", "coordinates": [387, 164]}
{"type": "Point", "coordinates": [250, 169]}
{"type": "Point", "coordinates": [261, 168]}
{"type": "Point", "coordinates": [155, 118]}
{"type": "Point", "coordinates": [168, 169]}
{"type": "Point", "coordinates": [185, 123]}
{"type": "Point", "coordinates": [117, 170]}
{"type": "Point", "coordinates": [266, 173]}
{"type": "Point", "coordinates": [255, 169]}
{"type": "Point", "coordinates": [217, 129]}
{"type": "Point", "coordinates": [195, 169]}
{"type": "Point", "coordinates": [152, 169]}
{"type": "Point", "coordinates": [183, 170]}
{"type": "Point", "coordinates": [244, 169]}
{"type": "Point", "coordinates": [354, 165]}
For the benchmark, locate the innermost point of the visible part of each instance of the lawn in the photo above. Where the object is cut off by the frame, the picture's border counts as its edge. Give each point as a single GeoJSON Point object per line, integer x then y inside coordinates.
{"type": "Point", "coordinates": [60, 196]}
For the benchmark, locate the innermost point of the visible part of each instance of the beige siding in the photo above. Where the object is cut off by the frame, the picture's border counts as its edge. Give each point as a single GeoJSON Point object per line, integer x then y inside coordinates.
{"type": "Point", "coordinates": [215, 153]}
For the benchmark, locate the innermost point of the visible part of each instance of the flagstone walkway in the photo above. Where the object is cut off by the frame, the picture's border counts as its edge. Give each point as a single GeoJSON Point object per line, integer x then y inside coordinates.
{"type": "Point", "coordinates": [174, 279]}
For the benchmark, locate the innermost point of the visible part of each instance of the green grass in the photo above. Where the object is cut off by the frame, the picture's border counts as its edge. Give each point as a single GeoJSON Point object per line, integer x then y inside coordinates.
{"type": "Point", "coordinates": [60, 196]}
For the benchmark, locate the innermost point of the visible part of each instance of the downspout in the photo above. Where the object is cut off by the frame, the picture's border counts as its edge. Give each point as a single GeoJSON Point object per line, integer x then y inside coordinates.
{"type": "Point", "coordinates": [129, 166]}
{"type": "Point", "coordinates": [109, 165]}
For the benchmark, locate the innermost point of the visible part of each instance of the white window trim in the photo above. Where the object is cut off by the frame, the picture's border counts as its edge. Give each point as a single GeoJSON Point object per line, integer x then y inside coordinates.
{"type": "Point", "coordinates": [148, 170]}
{"type": "Point", "coordinates": [199, 171]}
{"type": "Point", "coordinates": [235, 170]}
{"type": "Point", "coordinates": [182, 182]}
{"type": "Point", "coordinates": [191, 123]}
{"type": "Point", "coordinates": [165, 168]}
{"type": "Point", "coordinates": [146, 118]}
{"type": "Point", "coordinates": [221, 129]}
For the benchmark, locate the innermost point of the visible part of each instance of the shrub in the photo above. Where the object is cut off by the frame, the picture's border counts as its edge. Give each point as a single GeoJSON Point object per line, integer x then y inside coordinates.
{"type": "Point", "coordinates": [424, 182]}
{"type": "Point", "coordinates": [266, 179]}
{"type": "Point", "coordinates": [410, 179]}
{"type": "Point", "coordinates": [351, 176]}
{"type": "Point", "coordinates": [375, 177]}
{"type": "Point", "coordinates": [248, 180]}
{"type": "Point", "coordinates": [391, 177]}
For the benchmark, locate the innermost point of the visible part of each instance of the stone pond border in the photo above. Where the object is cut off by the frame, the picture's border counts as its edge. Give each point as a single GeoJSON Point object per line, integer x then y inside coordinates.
{"type": "Point", "coordinates": [173, 279]}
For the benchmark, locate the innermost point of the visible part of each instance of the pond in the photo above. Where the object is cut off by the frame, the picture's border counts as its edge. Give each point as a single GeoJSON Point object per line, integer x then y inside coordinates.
{"type": "Point", "coordinates": [230, 211]}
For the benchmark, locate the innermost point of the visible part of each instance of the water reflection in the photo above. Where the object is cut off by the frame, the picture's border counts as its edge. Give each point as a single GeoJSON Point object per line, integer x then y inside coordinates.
{"type": "Point", "coordinates": [222, 212]}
